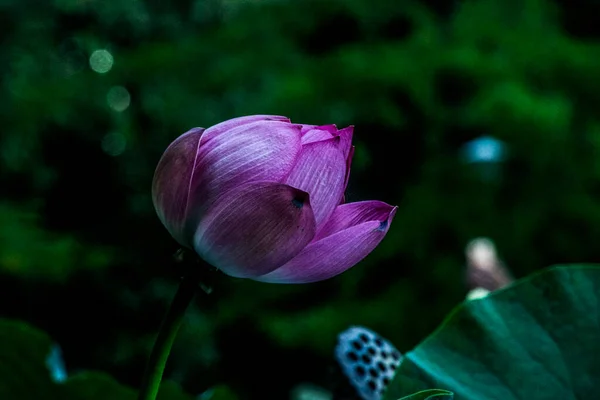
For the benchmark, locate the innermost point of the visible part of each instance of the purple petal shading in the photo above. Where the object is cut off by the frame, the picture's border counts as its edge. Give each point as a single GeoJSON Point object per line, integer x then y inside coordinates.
{"type": "Point", "coordinates": [255, 228]}
{"type": "Point", "coordinates": [253, 152]}
{"type": "Point", "coordinates": [171, 182]}
{"type": "Point", "coordinates": [224, 126]}
{"type": "Point", "coordinates": [353, 231]}
{"type": "Point", "coordinates": [352, 214]}
{"type": "Point", "coordinates": [331, 128]}
{"type": "Point", "coordinates": [348, 166]}
{"type": "Point", "coordinates": [320, 170]}
{"type": "Point", "coordinates": [346, 143]}
{"type": "Point", "coordinates": [311, 133]}
{"type": "Point", "coordinates": [346, 140]}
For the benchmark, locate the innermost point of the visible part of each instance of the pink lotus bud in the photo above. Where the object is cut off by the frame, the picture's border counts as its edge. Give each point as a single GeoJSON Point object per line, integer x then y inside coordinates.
{"type": "Point", "coordinates": [260, 197]}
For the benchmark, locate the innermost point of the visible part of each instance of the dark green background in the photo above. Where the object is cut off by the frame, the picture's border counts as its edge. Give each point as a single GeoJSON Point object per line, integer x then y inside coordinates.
{"type": "Point", "coordinates": [83, 256]}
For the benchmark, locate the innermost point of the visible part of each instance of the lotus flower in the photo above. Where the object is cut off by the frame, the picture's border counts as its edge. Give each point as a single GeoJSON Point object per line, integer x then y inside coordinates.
{"type": "Point", "coordinates": [262, 198]}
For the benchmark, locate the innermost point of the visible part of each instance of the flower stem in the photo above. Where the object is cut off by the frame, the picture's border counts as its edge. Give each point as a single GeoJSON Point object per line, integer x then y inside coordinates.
{"type": "Point", "coordinates": [166, 336]}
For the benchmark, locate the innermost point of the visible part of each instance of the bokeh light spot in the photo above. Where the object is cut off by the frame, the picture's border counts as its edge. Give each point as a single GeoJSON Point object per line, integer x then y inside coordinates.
{"type": "Point", "coordinates": [101, 61]}
{"type": "Point", "coordinates": [477, 293]}
{"type": "Point", "coordinates": [118, 98]}
{"type": "Point", "coordinates": [484, 149]}
{"type": "Point", "coordinates": [56, 365]}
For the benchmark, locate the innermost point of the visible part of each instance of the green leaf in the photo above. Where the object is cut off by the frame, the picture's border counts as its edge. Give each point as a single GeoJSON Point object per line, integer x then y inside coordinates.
{"type": "Point", "coordinates": [430, 394]}
{"type": "Point", "coordinates": [537, 339]}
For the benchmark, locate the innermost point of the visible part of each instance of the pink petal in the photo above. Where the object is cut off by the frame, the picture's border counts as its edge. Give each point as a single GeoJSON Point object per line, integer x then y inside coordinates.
{"type": "Point", "coordinates": [252, 152]}
{"type": "Point", "coordinates": [171, 182]}
{"type": "Point", "coordinates": [346, 140]}
{"type": "Point", "coordinates": [347, 177]}
{"type": "Point", "coordinates": [224, 126]}
{"type": "Point", "coordinates": [255, 228]}
{"type": "Point", "coordinates": [352, 214]}
{"type": "Point", "coordinates": [348, 166]}
{"type": "Point", "coordinates": [331, 128]}
{"type": "Point", "coordinates": [353, 231]}
{"type": "Point", "coordinates": [312, 133]}
{"type": "Point", "coordinates": [320, 170]}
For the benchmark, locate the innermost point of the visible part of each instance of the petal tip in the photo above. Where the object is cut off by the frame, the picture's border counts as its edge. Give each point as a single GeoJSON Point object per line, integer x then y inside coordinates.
{"type": "Point", "coordinates": [385, 224]}
{"type": "Point", "coordinates": [195, 130]}
{"type": "Point", "coordinates": [330, 128]}
{"type": "Point", "coordinates": [349, 130]}
{"type": "Point", "coordinates": [277, 118]}
{"type": "Point", "coordinates": [359, 229]}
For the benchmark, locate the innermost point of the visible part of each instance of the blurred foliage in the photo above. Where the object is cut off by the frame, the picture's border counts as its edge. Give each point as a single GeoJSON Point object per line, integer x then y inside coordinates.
{"type": "Point", "coordinates": [93, 92]}
{"type": "Point", "coordinates": [32, 250]}
{"type": "Point", "coordinates": [24, 375]}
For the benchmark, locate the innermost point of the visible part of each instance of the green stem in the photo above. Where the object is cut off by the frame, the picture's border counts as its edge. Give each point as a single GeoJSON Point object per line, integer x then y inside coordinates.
{"type": "Point", "coordinates": [166, 336]}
